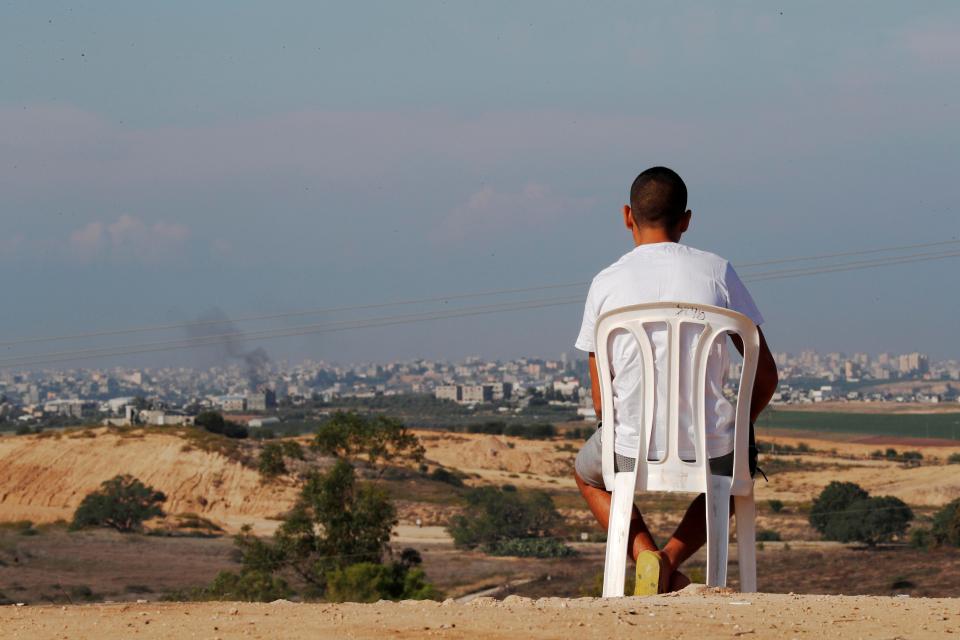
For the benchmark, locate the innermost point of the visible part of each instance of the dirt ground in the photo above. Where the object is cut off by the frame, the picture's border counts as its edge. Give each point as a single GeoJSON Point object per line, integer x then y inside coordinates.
{"type": "Point", "coordinates": [695, 613]}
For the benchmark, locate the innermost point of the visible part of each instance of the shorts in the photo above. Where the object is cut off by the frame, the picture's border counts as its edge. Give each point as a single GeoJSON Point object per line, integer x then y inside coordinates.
{"type": "Point", "coordinates": [589, 467]}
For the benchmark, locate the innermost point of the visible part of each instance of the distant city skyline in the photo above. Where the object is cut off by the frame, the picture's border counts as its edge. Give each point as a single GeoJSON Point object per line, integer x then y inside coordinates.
{"type": "Point", "coordinates": [167, 163]}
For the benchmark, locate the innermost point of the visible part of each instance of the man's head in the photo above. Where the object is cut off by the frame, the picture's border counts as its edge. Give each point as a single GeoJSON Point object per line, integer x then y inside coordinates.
{"type": "Point", "coordinates": [658, 205]}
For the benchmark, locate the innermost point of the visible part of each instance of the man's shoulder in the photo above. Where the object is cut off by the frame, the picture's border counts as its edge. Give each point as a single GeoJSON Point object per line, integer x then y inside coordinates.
{"type": "Point", "coordinates": [644, 255]}
{"type": "Point", "coordinates": [705, 256]}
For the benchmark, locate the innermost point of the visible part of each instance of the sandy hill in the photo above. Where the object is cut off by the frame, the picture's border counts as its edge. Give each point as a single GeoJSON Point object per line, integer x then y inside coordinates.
{"type": "Point", "coordinates": [44, 478]}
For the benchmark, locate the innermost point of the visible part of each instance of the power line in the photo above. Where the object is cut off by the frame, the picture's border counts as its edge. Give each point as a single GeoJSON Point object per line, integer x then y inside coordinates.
{"type": "Point", "coordinates": [425, 300]}
{"type": "Point", "coordinates": [265, 334]}
{"type": "Point", "coordinates": [853, 266]}
{"type": "Point", "coordinates": [300, 331]}
{"type": "Point", "coordinates": [844, 254]}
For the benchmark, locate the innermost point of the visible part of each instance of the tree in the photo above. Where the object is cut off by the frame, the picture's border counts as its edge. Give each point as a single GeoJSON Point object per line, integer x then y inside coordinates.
{"type": "Point", "coordinates": [336, 538]}
{"type": "Point", "coordinates": [492, 516]}
{"type": "Point", "coordinates": [835, 498]}
{"type": "Point", "coordinates": [846, 513]}
{"type": "Point", "coordinates": [335, 522]}
{"type": "Point", "coordinates": [946, 524]}
{"type": "Point", "coordinates": [121, 503]}
{"type": "Point", "coordinates": [379, 438]}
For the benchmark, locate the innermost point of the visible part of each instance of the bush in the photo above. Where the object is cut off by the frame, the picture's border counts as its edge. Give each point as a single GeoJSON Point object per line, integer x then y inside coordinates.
{"type": "Point", "coordinates": [491, 428]}
{"type": "Point", "coordinates": [891, 454]}
{"type": "Point", "coordinates": [246, 586]}
{"type": "Point", "coordinates": [953, 458]}
{"type": "Point", "coordinates": [946, 524]}
{"type": "Point", "coordinates": [493, 516]}
{"type": "Point", "coordinates": [442, 475]}
{"type": "Point", "coordinates": [768, 535]}
{"type": "Point", "coordinates": [213, 422]}
{"type": "Point", "coordinates": [540, 431]}
{"type": "Point", "coordinates": [775, 505]}
{"type": "Point", "coordinates": [271, 463]}
{"type": "Point", "coordinates": [292, 449]}
{"type": "Point", "coordinates": [921, 538]}
{"type": "Point", "coordinates": [23, 430]}
{"type": "Point", "coordinates": [531, 548]}
{"type": "Point", "coordinates": [370, 582]}
{"type": "Point", "coordinates": [911, 455]}
{"type": "Point", "coordinates": [122, 503]}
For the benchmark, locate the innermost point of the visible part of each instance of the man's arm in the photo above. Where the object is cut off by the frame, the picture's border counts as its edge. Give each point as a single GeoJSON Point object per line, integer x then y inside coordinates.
{"type": "Point", "coordinates": [766, 381]}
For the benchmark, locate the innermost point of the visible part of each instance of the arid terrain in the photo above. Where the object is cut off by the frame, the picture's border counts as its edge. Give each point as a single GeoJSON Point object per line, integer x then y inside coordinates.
{"type": "Point", "coordinates": [44, 477]}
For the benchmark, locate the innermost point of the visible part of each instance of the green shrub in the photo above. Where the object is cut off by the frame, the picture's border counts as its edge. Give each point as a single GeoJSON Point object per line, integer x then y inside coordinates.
{"type": "Point", "coordinates": [370, 582]}
{"type": "Point", "coordinates": [492, 516]}
{"type": "Point", "coordinates": [946, 524]}
{"type": "Point", "coordinates": [531, 548]}
{"type": "Point", "coordinates": [246, 586]}
{"type": "Point", "coordinates": [768, 535]}
{"type": "Point", "coordinates": [213, 422]}
{"type": "Point", "coordinates": [921, 538]}
{"type": "Point", "coordinates": [911, 455]}
{"type": "Point", "coordinates": [121, 503]}
{"type": "Point", "coordinates": [443, 475]}
{"type": "Point", "coordinates": [270, 463]}
{"type": "Point", "coordinates": [953, 458]}
{"type": "Point", "coordinates": [292, 449]}
{"type": "Point", "coordinates": [775, 505]}
{"type": "Point", "coordinates": [891, 453]}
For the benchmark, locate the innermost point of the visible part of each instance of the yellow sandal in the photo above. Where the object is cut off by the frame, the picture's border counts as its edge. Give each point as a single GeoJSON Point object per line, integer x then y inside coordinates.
{"type": "Point", "coordinates": [648, 574]}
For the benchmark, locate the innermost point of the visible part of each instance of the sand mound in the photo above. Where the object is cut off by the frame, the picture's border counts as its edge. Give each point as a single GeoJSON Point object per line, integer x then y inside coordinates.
{"type": "Point", "coordinates": [685, 615]}
{"type": "Point", "coordinates": [43, 479]}
{"type": "Point", "coordinates": [468, 452]}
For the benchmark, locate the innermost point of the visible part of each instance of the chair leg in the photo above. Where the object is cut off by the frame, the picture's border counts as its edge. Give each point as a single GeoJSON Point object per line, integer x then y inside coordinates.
{"type": "Point", "coordinates": [746, 512]}
{"type": "Point", "coordinates": [618, 533]}
{"type": "Point", "coordinates": [718, 530]}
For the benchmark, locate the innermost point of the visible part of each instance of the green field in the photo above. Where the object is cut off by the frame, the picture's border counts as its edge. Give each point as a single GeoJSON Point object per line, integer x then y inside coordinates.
{"type": "Point", "coordinates": [934, 425]}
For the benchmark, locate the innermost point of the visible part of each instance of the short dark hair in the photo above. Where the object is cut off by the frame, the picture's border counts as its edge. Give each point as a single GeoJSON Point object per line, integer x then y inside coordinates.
{"type": "Point", "coordinates": [658, 198]}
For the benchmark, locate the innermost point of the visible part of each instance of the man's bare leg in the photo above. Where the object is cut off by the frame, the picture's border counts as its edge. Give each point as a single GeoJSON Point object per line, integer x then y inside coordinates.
{"type": "Point", "coordinates": [639, 539]}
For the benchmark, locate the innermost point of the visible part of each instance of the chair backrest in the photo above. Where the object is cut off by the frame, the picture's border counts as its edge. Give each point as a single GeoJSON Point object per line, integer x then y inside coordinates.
{"type": "Point", "coordinates": [671, 473]}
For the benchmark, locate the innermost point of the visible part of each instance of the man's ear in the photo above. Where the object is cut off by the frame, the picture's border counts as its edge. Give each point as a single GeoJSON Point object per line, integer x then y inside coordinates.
{"type": "Point", "coordinates": [628, 221]}
{"type": "Point", "coordinates": [685, 221]}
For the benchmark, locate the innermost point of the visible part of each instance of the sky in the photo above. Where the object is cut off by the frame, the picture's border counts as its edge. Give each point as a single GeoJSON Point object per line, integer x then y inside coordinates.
{"type": "Point", "coordinates": [164, 162]}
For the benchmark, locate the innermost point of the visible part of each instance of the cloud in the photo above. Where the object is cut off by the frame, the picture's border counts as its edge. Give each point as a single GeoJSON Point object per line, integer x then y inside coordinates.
{"type": "Point", "coordinates": [128, 239]}
{"type": "Point", "coordinates": [934, 44]}
{"type": "Point", "coordinates": [489, 212]}
{"type": "Point", "coordinates": [11, 245]}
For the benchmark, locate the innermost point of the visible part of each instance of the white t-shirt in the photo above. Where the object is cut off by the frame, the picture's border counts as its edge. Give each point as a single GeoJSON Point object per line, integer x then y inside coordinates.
{"type": "Point", "coordinates": [666, 271]}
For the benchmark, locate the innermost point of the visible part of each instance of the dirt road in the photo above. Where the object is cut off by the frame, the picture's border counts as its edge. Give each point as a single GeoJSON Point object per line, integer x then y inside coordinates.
{"type": "Point", "coordinates": [694, 613]}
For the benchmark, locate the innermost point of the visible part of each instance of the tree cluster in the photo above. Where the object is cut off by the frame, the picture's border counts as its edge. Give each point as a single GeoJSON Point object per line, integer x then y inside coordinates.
{"type": "Point", "coordinates": [845, 512]}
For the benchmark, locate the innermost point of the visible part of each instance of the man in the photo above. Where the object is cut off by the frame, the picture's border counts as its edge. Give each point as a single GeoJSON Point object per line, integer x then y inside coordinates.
{"type": "Point", "coordinates": [661, 269]}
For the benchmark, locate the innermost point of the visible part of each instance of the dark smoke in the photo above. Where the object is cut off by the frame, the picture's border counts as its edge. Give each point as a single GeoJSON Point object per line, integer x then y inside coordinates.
{"type": "Point", "coordinates": [232, 347]}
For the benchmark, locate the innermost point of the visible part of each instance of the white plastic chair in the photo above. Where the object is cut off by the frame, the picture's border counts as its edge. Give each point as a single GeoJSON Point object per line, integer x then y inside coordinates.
{"type": "Point", "coordinates": [671, 473]}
